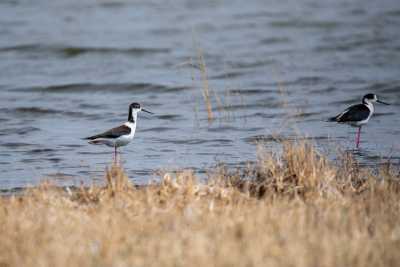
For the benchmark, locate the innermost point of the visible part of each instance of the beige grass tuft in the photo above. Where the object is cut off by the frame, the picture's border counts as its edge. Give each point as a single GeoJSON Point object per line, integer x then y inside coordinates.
{"type": "Point", "coordinates": [292, 208]}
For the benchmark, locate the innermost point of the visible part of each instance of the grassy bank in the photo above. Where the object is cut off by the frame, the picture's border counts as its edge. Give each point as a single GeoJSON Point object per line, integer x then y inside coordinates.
{"type": "Point", "coordinates": [294, 208]}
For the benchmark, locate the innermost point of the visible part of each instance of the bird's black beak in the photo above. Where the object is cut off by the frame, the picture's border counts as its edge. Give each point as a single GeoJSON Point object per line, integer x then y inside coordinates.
{"type": "Point", "coordinates": [382, 102]}
{"type": "Point", "coordinates": [147, 111]}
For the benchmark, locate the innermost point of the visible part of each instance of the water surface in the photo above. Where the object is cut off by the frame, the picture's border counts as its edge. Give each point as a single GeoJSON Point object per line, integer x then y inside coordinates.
{"type": "Point", "coordinates": [69, 69]}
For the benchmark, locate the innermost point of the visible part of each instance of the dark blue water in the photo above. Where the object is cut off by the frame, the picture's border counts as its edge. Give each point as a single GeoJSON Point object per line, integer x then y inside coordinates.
{"type": "Point", "coordinates": [70, 68]}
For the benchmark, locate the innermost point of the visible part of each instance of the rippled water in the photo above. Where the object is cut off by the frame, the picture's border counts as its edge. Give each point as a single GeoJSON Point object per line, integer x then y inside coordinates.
{"type": "Point", "coordinates": [69, 69]}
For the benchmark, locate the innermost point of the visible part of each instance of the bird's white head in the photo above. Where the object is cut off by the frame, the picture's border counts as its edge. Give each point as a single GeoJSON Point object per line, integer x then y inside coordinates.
{"type": "Point", "coordinates": [135, 107]}
{"type": "Point", "coordinates": [371, 98]}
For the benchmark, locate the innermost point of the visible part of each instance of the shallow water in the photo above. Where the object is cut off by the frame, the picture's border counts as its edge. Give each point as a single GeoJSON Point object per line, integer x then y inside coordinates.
{"type": "Point", "coordinates": [69, 69]}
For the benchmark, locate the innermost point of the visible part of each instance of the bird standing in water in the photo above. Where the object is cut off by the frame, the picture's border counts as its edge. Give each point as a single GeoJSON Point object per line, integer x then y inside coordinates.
{"type": "Point", "coordinates": [358, 115]}
{"type": "Point", "coordinates": [121, 135]}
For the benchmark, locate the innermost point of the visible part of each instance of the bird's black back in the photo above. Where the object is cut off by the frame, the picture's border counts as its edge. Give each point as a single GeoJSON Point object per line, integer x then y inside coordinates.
{"type": "Point", "coordinates": [112, 133]}
{"type": "Point", "coordinates": [354, 113]}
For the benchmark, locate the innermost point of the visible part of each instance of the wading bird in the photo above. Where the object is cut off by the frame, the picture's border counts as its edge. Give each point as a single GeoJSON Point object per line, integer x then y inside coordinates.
{"type": "Point", "coordinates": [121, 135]}
{"type": "Point", "coordinates": [358, 115]}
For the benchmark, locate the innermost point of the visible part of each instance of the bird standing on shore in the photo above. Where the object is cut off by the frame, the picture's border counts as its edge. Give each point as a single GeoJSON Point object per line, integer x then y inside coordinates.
{"type": "Point", "coordinates": [358, 115]}
{"type": "Point", "coordinates": [121, 135]}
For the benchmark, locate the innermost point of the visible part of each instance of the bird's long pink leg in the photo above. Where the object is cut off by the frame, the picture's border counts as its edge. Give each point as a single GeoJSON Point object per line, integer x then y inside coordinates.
{"type": "Point", "coordinates": [115, 154]}
{"type": "Point", "coordinates": [358, 137]}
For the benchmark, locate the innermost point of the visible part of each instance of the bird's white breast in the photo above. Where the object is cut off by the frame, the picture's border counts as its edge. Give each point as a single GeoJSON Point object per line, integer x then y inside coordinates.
{"type": "Point", "coordinates": [370, 106]}
{"type": "Point", "coordinates": [125, 139]}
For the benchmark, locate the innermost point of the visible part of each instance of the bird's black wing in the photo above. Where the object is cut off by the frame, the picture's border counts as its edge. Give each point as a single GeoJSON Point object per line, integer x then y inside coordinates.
{"type": "Point", "coordinates": [112, 133]}
{"type": "Point", "coordinates": [354, 113]}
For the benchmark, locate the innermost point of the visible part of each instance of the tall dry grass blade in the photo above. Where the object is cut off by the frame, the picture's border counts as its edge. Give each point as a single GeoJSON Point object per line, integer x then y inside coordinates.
{"type": "Point", "coordinates": [206, 88]}
{"type": "Point", "coordinates": [116, 179]}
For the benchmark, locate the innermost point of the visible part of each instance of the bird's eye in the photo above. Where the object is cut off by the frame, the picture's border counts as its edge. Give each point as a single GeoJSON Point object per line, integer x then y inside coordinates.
{"type": "Point", "coordinates": [136, 106]}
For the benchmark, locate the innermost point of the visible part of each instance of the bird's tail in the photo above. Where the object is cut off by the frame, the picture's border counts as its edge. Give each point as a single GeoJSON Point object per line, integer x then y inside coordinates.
{"type": "Point", "coordinates": [332, 119]}
{"type": "Point", "coordinates": [91, 137]}
{"type": "Point", "coordinates": [90, 140]}
{"type": "Point", "coordinates": [95, 142]}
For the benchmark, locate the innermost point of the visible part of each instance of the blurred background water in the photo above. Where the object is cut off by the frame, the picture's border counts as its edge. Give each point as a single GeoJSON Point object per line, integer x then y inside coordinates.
{"type": "Point", "coordinates": [70, 68]}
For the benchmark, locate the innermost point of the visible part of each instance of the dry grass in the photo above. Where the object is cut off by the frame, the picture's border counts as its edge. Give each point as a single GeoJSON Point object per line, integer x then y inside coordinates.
{"type": "Point", "coordinates": [206, 87]}
{"type": "Point", "coordinates": [222, 103]}
{"type": "Point", "coordinates": [293, 208]}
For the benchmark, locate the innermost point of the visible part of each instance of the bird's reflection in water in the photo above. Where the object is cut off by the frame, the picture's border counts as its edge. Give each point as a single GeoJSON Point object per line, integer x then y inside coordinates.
{"type": "Point", "coordinates": [369, 158]}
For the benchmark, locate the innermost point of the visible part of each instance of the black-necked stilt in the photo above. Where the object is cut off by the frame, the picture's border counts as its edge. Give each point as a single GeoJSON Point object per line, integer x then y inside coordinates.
{"type": "Point", "coordinates": [121, 135]}
{"type": "Point", "coordinates": [358, 115]}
